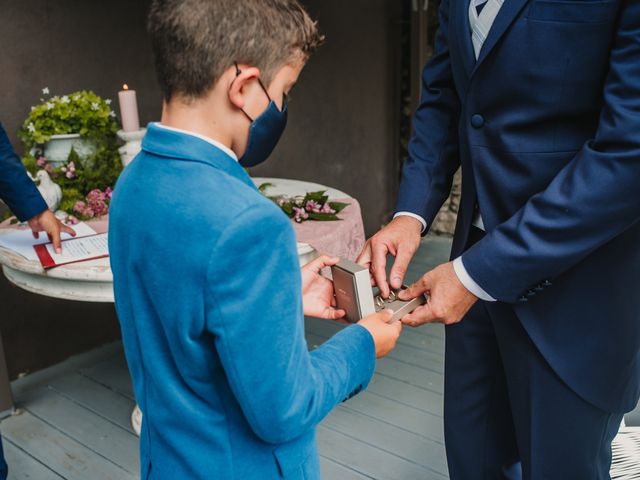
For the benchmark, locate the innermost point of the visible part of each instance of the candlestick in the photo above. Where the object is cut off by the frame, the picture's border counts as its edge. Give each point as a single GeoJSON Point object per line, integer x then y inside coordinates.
{"type": "Point", "coordinates": [129, 109]}
{"type": "Point", "coordinates": [132, 145]}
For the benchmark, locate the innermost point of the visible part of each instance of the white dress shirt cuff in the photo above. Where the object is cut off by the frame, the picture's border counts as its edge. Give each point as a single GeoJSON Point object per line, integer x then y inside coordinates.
{"type": "Point", "coordinates": [469, 283]}
{"type": "Point", "coordinates": [413, 215]}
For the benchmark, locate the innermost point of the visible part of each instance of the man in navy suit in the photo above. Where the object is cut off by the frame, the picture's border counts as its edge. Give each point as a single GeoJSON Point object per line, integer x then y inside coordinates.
{"type": "Point", "coordinates": [19, 192]}
{"type": "Point", "coordinates": [539, 102]}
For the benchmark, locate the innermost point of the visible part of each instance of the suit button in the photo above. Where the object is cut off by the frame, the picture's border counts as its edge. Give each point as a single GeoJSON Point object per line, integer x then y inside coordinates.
{"type": "Point", "coordinates": [547, 283]}
{"type": "Point", "coordinates": [477, 121]}
{"type": "Point", "coordinates": [523, 299]}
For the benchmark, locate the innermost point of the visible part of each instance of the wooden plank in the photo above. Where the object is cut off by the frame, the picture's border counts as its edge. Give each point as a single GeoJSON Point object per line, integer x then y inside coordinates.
{"type": "Point", "coordinates": [99, 399]}
{"type": "Point", "coordinates": [331, 470]}
{"type": "Point", "coordinates": [23, 466]}
{"type": "Point", "coordinates": [60, 453]}
{"type": "Point", "coordinates": [112, 373]}
{"type": "Point", "coordinates": [432, 346]}
{"type": "Point", "coordinates": [410, 419]}
{"type": "Point", "coordinates": [406, 394]}
{"type": "Point", "coordinates": [369, 460]}
{"type": "Point", "coordinates": [390, 438]}
{"type": "Point", "coordinates": [112, 441]}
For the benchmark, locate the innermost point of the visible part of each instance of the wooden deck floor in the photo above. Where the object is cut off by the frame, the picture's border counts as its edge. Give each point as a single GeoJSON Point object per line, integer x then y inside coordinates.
{"type": "Point", "coordinates": [74, 418]}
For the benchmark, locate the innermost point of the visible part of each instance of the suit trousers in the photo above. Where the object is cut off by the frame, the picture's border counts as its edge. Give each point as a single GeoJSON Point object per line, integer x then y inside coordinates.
{"type": "Point", "coordinates": [507, 414]}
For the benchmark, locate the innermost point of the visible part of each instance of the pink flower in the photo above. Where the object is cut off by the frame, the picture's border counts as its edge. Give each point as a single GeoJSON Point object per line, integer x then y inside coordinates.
{"type": "Point", "coordinates": [326, 208]}
{"type": "Point", "coordinates": [300, 215]}
{"type": "Point", "coordinates": [41, 162]}
{"type": "Point", "coordinates": [79, 206]}
{"type": "Point", "coordinates": [71, 220]}
{"type": "Point", "coordinates": [108, 192]}
{"type": "Point", "coordinates": [70, 175]}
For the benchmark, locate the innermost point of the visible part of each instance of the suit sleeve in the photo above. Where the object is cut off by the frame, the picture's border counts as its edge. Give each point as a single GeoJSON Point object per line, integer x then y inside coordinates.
{"type": "Point", "coordinates": [433, 159]}
{"type": "Point", "coordinates": [17, 190]}
{"type": "Point", "coordinates": [255, 315]}
{"type": "Point", "coordinates": [591, 201]}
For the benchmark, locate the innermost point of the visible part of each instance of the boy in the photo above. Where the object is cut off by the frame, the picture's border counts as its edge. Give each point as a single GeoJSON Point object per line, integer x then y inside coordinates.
{"type": "Point", "coordinates": [212, 312]}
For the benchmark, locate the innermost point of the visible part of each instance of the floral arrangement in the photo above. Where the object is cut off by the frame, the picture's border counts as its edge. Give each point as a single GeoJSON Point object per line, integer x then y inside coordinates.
{"type": "Point", "coordinates": [86, 182]}
{"type": "Point", "coordinates": [81, 112]}
{"type": "Point", "coordinates": [312, 206]}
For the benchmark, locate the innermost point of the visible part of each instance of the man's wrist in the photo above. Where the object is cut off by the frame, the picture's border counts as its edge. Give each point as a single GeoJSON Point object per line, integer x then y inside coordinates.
{"type": "Point", "coordinates": [468, 282]}
{"type": "Point", "coordinates": [421, 221]}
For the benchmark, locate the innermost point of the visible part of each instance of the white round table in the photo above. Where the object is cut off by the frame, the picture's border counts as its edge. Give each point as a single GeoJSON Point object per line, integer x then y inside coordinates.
{"type": "Point", "coordinates": [92, 281]}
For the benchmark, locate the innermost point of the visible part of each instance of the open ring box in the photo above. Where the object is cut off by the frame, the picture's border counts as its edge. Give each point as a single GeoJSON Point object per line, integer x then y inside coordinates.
{"type": "Point", "coordinates": [354, 294]}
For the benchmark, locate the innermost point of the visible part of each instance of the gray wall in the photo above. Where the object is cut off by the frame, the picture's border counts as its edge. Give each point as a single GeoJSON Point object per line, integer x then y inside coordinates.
{"type": "Point", "coordinates": [342, 129]}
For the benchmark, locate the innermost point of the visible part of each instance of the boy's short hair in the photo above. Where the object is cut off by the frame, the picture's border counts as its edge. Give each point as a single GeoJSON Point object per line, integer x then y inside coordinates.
{"type": "Point", "coordinates": [195, 41]}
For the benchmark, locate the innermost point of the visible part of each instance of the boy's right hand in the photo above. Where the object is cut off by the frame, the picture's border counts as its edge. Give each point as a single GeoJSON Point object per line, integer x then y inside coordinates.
{"type": "Point", "coordinates": [385, 334]}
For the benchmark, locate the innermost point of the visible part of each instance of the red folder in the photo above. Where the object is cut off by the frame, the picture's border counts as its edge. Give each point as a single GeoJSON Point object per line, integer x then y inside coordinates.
{"type": "Point", "coordinates": [48, 262]}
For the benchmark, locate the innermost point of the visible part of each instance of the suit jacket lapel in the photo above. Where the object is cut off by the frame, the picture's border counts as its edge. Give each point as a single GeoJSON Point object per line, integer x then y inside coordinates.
{"type": "Point", "coordinates": [461, 32]}
{"type": "Point", "coordinates": [505, 18]}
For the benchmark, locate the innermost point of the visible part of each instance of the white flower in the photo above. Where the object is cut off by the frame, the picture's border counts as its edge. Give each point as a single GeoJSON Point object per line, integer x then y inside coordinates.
{"type": "Point", "coordinates": [112, 114]}
{"type": "Point", "coordinates": [49, 105]}
{"type": "Point", "coordinates": [65, 99]}
{"type": "Point", "coordinates": [95, 106]}
{"type": "Point", "coordinates": [108, 101]}
{"type": "Point", "coordinates": [31, 127]}
{"type": "Point", "coordinates": [45, 91]}
{"type": "Point", "coordinates": [76, 97]}
{"type": "Point", "coordinates": [33, 108]}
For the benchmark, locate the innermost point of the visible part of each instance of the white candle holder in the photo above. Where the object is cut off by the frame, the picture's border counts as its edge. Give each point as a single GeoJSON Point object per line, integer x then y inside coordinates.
{"type": "Point", "coordinates": [132, 145]}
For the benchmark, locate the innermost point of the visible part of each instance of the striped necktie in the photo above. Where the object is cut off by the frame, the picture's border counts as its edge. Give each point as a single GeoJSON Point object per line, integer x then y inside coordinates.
{"type": "Point", "coordinates": [482, 14]}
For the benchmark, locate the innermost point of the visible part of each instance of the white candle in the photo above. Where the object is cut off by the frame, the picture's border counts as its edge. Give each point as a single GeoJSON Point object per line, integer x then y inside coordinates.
{"type": "Point", "coordinates": [129, 109]}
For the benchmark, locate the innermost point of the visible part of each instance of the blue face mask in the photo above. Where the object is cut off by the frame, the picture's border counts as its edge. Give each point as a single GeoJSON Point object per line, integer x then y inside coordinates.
{"type": "Point", "coordinates": [265, 131]}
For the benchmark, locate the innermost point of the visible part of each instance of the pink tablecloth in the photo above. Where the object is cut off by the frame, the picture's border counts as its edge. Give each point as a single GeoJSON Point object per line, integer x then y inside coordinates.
{"type": "Point", "coordinates": [343, 238]}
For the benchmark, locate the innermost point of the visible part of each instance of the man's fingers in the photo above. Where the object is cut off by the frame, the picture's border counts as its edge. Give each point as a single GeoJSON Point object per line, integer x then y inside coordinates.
{"type": "Point", "coordinates": [364, 258]}
{"type": "Point", "coordinates": [68, 230]}
{"type": "Point", "coordinates": [55, 239]}
{"type": "Point", "coordinates": [379, 268]}
{"type": "Point", "coordinates": [415, 290]}
{"type": "Point", "coordinates": [400, 265]}
{"type": "Point", "coordinates": [35, 234]}
{"type": "Point", "coordinates": [421, 315]}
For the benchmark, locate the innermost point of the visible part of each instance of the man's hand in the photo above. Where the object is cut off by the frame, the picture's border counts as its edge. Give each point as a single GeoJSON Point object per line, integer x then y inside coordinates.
{"type": "Point", "coordinates": [449, 300]}
{"type": "Point", "coordinates": [317, 291]}
{"type": "Point", "coordinates": [47, 222]}
{"type": "Point", "coordinates": [385, 334]}
{"type": "Point", "coordinates": [401, 238]}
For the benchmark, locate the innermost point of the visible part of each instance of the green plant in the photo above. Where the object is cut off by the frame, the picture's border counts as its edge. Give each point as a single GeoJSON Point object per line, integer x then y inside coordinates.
{"type": "Point", "coordinates": [81, 112]}
{"type": "Point", "coordinates": [87, 182]}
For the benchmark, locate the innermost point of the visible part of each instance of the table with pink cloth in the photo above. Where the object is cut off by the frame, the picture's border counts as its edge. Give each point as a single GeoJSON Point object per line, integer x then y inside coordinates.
{"type": "Point", "coordinates": [343, 238]}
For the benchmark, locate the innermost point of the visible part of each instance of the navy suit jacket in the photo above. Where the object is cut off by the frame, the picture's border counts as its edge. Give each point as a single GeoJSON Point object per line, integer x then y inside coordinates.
{"type": "Point", "coordinates": [208, 293]}
{"type": "Point", "coordinates": [546, 127]}
{"type": "Point", "coordinates": [17, 190]}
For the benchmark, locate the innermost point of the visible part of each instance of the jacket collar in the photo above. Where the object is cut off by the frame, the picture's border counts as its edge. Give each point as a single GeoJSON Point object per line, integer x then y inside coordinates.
{"type": "Point", "coordinates": [171, 143]}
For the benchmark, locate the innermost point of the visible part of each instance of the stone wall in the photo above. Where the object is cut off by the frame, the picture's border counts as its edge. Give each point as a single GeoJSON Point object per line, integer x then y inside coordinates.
{"type": "Point", "coordinates": [445, 222]}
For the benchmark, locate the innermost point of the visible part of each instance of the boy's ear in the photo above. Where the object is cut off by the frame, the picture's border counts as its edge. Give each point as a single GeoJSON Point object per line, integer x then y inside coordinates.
{"type": "Point", "coordinates": [238, 88]}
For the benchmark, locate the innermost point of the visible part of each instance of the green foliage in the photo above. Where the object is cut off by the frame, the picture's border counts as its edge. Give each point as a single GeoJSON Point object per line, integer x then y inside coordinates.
{"type": "Point", "coordinates": [81, 112]}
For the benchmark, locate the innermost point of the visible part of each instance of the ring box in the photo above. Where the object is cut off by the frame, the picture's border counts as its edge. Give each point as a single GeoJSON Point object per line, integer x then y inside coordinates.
{"type": "Point", "coordinates": [354, 294]}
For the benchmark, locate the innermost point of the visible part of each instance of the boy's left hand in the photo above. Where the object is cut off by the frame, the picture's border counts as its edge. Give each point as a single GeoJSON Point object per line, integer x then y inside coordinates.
{"type": "Point", "coordinates": [317, 291]}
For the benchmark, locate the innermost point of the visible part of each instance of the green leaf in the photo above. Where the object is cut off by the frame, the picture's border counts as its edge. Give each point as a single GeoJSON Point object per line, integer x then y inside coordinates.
{"type": "Point", "coordinates": [338, 206]}
{"type": "Point", "coordinates": [324, 217]}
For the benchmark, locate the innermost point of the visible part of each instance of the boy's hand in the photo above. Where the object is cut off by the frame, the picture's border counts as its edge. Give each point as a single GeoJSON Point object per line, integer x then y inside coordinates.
{"type": "Point", "coordinates": [48, 222]}
{"type": "Point", "coordinates": [385, 334]}
{"type": "Point", "coordinates": [317, 291]}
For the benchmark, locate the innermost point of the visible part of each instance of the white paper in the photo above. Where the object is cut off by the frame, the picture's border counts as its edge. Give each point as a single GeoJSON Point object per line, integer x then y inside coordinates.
{"type": "Point", "coordinates": [81, 249]}
{"type": "Point", "coordinates": [22, 241]}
